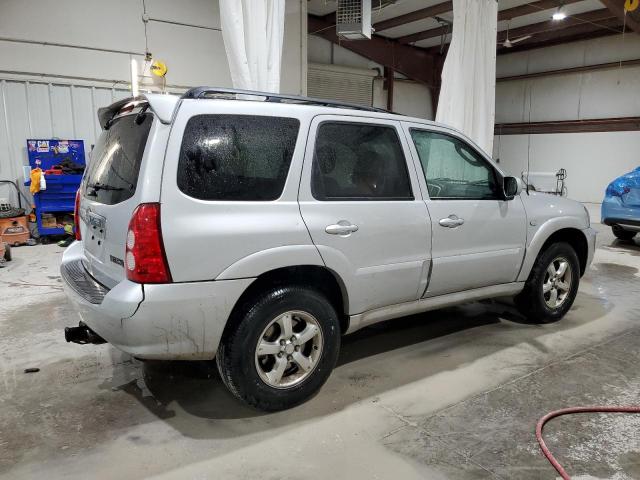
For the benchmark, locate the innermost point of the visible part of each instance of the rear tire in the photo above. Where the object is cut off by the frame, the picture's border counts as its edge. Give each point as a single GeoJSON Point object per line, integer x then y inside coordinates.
{"type": "Point", "coordinates": [552, 286]}
{"type": "Point", "coordinates": [280, 348]}
{"type": "Point", "coordinates": [621, 233]}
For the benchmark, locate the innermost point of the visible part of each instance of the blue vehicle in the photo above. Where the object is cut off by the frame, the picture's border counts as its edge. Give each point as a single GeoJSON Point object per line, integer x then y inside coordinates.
{"type": "Point", "coordinates": [621, 205]}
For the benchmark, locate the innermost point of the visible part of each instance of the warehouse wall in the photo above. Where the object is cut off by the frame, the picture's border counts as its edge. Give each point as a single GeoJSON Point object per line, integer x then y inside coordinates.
{"type": "Point", "coordinates": [410, 98]}
{"type": "Point", "coordinates": [191, 46]}
{"type": "Point", "coordinates": [50, 90]}
{"type": "Point", "coordinates": [35, 109]}
{"type": "Point", "coordinates": [592, 160]}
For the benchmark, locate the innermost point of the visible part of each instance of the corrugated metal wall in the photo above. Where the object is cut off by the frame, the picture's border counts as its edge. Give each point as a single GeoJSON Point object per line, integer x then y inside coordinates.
{"type": "Point", "coordinates": [33, 109]}
{"type": "Point", "coordinates": [339, 83]}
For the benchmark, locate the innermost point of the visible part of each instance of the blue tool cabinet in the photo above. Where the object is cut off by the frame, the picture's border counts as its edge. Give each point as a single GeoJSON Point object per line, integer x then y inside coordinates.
{"type": "Point", "coordinates": [59, 197]}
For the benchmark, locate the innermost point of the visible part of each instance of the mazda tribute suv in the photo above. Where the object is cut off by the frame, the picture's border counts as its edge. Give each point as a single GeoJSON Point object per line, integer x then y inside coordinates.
{"type": "Point", "coordinates": [257, 229]}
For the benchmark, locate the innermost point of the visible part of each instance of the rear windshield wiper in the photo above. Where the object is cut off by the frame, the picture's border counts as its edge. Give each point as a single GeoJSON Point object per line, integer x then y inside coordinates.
{"type": "Point", "coordinates": [102, 186]}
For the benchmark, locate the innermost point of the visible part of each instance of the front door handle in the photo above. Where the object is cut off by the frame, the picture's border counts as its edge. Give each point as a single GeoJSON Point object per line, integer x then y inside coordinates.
{"type": "Point", "coordinates": [452, 221]}
{"type": "Point", "coordinates": [343, 227]}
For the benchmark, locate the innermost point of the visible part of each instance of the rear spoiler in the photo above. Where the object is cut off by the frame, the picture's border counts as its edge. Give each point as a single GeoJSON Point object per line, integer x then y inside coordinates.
{"type": "Point", "coordinates": [162, 105]}
{"type": "Point", "coordinates": [106, 114]}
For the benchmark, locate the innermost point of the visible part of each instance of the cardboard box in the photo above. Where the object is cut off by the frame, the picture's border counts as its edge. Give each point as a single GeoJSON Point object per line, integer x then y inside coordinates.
{"type": "Point", "coordinates": [49, 221]}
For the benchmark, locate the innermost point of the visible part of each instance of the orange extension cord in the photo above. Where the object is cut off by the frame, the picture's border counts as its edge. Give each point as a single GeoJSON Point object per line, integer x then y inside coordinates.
{"type": "Point", "coordinates": [567, 411]}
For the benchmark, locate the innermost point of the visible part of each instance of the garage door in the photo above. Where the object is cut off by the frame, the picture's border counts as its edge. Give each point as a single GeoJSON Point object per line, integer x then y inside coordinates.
{"type": "Point", "coordinates": [340, 83]}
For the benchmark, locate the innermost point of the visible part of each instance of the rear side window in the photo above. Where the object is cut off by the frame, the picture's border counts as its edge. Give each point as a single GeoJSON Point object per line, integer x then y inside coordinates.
{"type": "Point", "coordinates": [113, 170]}
{"type": "Point", "coordinates": [359, 162]}
{"type": "Point", "coordinates": [236, 157]}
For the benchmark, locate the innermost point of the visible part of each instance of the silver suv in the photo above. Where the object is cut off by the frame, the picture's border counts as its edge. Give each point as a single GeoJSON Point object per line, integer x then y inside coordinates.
{"type": "Point", "coordinates": [257, 229]}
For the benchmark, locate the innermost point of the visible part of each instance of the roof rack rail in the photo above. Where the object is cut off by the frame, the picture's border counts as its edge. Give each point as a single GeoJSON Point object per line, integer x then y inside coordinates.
{"type": "Point", "coordinates": [204, 92]}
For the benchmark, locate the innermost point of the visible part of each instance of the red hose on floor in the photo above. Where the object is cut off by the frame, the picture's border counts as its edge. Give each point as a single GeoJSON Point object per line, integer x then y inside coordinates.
{"type": "Point", "coordinates": [567, 411]}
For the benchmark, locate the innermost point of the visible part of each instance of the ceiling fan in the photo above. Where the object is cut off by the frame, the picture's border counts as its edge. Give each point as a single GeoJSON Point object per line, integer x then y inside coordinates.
{"type": "Point", "coordinates": [508, 43]}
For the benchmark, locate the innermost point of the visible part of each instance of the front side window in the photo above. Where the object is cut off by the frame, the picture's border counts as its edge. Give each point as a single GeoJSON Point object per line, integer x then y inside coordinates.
{"type": "Point", "coordinates": [355, 161]}
{"type": "Point", "coordinates": [452, 169]}
{"type": "Point", "coordinates": [236, 157]}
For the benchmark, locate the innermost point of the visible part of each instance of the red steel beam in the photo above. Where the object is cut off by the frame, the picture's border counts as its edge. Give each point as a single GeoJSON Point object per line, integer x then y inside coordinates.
{"type": "Point", "coordinates": [593, 19]}
{"type": "Point", "coordinates": [421, 14]}
{"type": "Point", "coordinates": [426, 34]}
{"type": "Point", "coordinates": [389, 81]}
{"type": "Point", "coordinates": [576, 27]}
{"type": "Point", "coordinates": [564, 71]}
{"type": "Point", "coordinates": [532, 7]}
{"type": "Point", "coordinates": [623, 124]}
{"type": "Point", "coordinates": [415, 63]}
{"type": "Point", "coordinates": [506, 14]}
{"type": "Point", "coordinates": [582, 31]}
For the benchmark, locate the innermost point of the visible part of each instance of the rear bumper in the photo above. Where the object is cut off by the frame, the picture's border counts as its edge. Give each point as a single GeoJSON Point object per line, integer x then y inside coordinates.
{"type": "Point", "coordinates": [625, 224]}
{"type": "Point", "coordinates": [176, 321]}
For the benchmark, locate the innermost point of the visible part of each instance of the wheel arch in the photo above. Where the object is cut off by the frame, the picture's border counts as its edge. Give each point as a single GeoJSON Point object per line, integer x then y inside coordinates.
{"type": "Point", "coordinates": [572, 235]}
{"type": "Point", "coordinates": [315, 276]}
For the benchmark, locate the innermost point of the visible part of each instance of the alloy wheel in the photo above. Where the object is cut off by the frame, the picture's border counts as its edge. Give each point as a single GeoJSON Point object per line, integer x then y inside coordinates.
{"type": "Point", "coordinates": [288, 349]}
{"type": "Point", "coordinates": [557, 282]}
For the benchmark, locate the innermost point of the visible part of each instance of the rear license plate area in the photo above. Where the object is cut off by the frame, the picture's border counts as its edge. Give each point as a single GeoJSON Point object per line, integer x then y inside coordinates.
{"type": "Point", "coordinates": [95, 234]}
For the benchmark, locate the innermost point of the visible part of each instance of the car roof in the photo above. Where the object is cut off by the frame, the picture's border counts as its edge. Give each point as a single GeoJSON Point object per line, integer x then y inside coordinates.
{"type": "Point", "coordinates": [165, 106]}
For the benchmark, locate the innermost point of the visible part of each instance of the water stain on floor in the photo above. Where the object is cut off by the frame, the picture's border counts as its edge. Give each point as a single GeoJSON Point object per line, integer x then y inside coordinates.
{"type": "Point", "coordinates": [615, 270]}
{"type": "Point", "coordinates": [622, 246]}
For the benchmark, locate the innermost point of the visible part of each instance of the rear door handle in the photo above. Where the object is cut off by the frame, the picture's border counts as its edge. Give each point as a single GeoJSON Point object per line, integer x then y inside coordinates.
{"type": "Point", "coordinates": [343, 227]}
{"type": "Point", "coordinates": [452, 221]}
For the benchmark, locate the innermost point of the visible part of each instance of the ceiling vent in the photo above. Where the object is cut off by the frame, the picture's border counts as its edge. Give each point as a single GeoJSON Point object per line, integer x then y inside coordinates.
{"type": "Point", "coordinates": [353, 19]}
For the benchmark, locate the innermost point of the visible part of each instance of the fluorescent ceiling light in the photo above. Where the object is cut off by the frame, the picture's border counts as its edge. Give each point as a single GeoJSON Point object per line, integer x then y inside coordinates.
{"type": "Point", "coordinates": [559, 14]}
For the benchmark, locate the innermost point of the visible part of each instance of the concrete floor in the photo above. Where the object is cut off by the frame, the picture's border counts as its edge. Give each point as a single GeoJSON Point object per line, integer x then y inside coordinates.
{"type": "Point", "coordinates": [449, 394]}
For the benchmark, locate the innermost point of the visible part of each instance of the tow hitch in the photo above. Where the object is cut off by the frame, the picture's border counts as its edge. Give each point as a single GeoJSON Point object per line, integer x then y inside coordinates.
{"type": "Point", "coordinates": [82, 335]}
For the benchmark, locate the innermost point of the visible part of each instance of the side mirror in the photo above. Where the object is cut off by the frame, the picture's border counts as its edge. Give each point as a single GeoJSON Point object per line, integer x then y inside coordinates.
{"type": "Point", "coordinates": [512, 186]}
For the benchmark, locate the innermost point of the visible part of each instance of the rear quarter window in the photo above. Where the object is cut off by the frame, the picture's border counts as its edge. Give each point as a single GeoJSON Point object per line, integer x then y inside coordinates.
{"type": "Point", "coordinates": [236, 157]}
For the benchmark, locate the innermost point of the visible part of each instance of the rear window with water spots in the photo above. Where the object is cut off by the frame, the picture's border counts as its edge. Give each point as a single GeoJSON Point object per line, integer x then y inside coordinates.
{"type": "Point", "coordinates": [112, 175]}
{"type": "Point", "coordinates": [236, 157]}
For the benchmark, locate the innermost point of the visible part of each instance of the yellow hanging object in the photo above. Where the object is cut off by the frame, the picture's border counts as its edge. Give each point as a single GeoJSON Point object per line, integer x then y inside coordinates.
{"type": "Point", "coordinates": [36, 174]}
{"type": "Point", "coordinates": [631, 5]}
{"type": "Point", "coordinates": [158, 68]}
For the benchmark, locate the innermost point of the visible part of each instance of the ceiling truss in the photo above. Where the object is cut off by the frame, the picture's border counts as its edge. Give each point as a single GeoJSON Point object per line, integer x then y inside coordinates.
{"type": "Point", "coordinates": [424, 64]}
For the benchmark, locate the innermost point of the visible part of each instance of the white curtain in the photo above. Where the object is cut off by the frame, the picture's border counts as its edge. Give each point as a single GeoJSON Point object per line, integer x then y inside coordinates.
{"type": "Point", "coordinates": [253, 32]}
{"type": "Point", "coordinates": [467, 95]}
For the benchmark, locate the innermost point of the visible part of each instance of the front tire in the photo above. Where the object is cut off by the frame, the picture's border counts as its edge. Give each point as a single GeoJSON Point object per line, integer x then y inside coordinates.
{"type": "Point", "coordinates": [282, 348]}
{"type": "Point", "coordinates": [552, 285]}
{"type": "Point", "coordinates": [621, 233]}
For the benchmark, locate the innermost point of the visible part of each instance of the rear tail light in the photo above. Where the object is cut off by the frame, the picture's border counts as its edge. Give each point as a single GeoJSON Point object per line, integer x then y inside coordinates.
{"type": "Point", "coordinates": [145, 259]}
{"type": "Point", "coordinates": [76, 217]}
